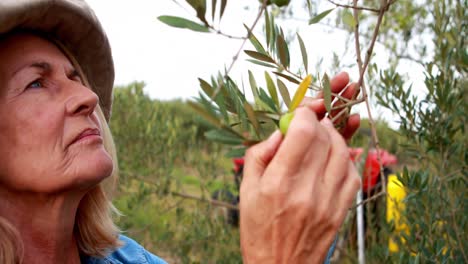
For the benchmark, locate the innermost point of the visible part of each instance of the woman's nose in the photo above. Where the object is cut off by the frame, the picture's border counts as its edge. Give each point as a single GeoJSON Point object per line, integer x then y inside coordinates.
{"type": "Point", "coordinates": [81, 101]}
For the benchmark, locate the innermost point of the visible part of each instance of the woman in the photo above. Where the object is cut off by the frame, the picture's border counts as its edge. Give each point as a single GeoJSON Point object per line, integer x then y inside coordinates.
{"type": "Point", "coordinates": [58, 161]}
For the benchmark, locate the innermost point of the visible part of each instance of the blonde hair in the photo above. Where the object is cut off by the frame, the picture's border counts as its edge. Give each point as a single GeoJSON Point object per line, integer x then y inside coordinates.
{"type": "Point", "coordinates": [95, 232]}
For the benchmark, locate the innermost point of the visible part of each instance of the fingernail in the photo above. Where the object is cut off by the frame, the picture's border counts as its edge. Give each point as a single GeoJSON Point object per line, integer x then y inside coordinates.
{"type": "Point", "coordinates": [314, 103]}
{"type": "Point", "coordinates": [274, 135]}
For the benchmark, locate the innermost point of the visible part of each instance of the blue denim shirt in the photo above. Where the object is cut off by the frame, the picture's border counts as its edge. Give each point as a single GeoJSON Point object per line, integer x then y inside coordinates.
{"type": "Point", "coordinates": [133, 253]}
{"type": "Point", "coordinates": [130, 253]}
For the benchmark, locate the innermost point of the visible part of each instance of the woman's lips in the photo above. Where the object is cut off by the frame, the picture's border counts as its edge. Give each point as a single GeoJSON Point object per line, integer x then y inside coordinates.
{"type": "Point", "coordinates": [88, 134]}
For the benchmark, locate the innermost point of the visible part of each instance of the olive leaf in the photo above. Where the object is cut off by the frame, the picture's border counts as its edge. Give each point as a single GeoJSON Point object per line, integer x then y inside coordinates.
{"type": "Point", "coordinates": [300, 93]}
{"type": "Point", "coordinates": [326, 92]}
{"type": "Point", "coordinates": [212, 119]}
{"type": "Point", "coordinates": [224, 136]}
{"type": "Point", "coordinates": [264, 64]}
{"type": "Point", "coordinates": [253, 86]}
{"type": "Point", "coordinates": [284, 92]}
{"type": "Point", "coordinates": [180, 22]}
{"type": "Point", "coordinates": [252, 118]}
{"type": "Point", "coordinates": [303, 53]}
{"type": "Point", "coordinates": [258, 46]}
{"type": "Point", "coordinates": [272, 89]}
{"type": "Point", "coordinates": [200, 8]}
{"type": "Point", "coordinates": [236, 152]}
{"type": "Point", "coordinates": [259, 56]}
{"type": "Point", "coordinates": [269, 104]}
{"type": "Point", "coordinates": [267, 28]}
{"type": "Point", "coordinates": [213, 8]}
{"type": "Point", "coordinates": [320, 16]}
{"type": "Point", "coordinates": [282, 50]}
{"type": "Point", "coordinates": [206, 87]}
{"type": "Point", "coordinates": [287, 77]}
{"type": "Point", "coordinates": [223, 7]}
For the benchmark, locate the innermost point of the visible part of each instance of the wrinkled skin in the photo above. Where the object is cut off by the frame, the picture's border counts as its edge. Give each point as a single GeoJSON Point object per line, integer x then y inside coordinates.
{"type": "Point", "coordinates": [297, 189]}
{"type": "Point", "coordinates": [44, 170]}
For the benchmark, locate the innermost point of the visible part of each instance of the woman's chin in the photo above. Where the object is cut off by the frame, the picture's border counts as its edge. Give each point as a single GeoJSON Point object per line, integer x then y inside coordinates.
{"type": "Point", "coordinates": [91, 170]}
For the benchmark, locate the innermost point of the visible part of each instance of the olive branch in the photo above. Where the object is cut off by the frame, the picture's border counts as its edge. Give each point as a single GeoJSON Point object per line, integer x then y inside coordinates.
{"type": "Point", "coordinates": [240, 123]}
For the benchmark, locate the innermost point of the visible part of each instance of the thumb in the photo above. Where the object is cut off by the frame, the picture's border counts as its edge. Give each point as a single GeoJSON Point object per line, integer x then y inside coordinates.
{"type": "Point", "coordinates": [259, 156]}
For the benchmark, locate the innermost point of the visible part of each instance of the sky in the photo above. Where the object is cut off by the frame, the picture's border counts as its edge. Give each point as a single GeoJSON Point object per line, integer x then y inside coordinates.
{"type": "Point", "coordinates": [170, 60]}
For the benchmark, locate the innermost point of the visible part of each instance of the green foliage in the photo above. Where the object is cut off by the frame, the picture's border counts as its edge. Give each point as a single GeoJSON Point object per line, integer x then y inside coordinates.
{"type": "Point", "coordinates": [241, 123]}
{"type": "Point", "coordinates": [433, 130]}
{"type": "Point", "coordinates": [182, 23]}
{"type": "Point", "coordinates": [162, 154]}
{"type": "Point", "coordinates": [163, 150]}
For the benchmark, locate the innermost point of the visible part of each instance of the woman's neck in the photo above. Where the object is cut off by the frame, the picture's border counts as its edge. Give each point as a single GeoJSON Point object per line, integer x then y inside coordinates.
{"type": "Point", "coordinates": [45, 223]}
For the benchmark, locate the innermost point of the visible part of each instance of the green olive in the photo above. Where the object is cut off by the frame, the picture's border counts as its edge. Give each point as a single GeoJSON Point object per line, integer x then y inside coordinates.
{"type": "Point", "coordinates": [284, 122]}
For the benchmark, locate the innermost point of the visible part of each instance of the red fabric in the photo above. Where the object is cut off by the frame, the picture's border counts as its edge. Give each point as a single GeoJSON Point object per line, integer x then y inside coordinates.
{"type": "Point", "coordinates": [371, 167]}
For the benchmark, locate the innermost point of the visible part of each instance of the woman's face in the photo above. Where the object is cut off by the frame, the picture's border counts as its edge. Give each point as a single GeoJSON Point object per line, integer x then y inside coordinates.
{"type": "Point", "coordinates": [50, 135]}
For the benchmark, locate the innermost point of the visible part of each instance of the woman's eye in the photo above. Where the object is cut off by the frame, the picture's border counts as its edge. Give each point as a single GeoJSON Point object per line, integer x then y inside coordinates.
{"type": "Point", "coordinates": [76, 77]}
{"type": "Point", "coordinates": [35, 84]}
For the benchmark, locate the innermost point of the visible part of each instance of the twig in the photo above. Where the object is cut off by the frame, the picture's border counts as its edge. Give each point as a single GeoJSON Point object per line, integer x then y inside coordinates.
{"type": "Point", "coordinates": [407, 57]}
{"type": "Point", "coordinates": [362, 70]}
{"type": "Point", "coordinates": [351, 103]}
{"type": "Point", "coordinates": [374, 197]}
{"type": "Point", "coordinates": [219, 32]}
{"type": "Point", "coordinates": [260, 13]}
{"type": "Point", "coordinates": [213, 202]}
{"type": "Point", "coordinates": [188, 196]}
{"type": "Point", "coordinates": [341, 113]}
{"type": "Point", "coordinates": [355, 7]}
{"type": "Point", "coordinates": [236, 56]}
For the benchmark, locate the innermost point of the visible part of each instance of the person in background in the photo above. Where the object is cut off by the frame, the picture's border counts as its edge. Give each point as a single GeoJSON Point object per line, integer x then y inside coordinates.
{"type": "Point", "coordinates": [58, 168]}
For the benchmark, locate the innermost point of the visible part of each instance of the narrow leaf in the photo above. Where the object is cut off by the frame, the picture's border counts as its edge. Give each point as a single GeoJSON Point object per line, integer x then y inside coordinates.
{"type": "Point", "coordinates": [282, 50]}
{"type": "Point", "coordinates": [223, 7]}
{"type": "Point", "coordinates": [205, 114]}
{"type": "Point", "coordinates": [272, 89]}
{"type": "Point", "coordinates": [213, 8]}
{"type": "Point", "coordinates": [326, 92]}
{"type": "Point", "coordinates": [267, 115]}
{"type": "Point", "coordinates": [284, 92]}
{"type": "Point", "coordinates": [206, 87]}
{"type": "Point", "coordinates": [258, 46]}
{"type": "Point", "coordinates": [180, 22]}
{"type": "Point", "coordinates": [220, 100]}
{"type": "Point", "coordinates": [251, 115]}
{"type": "Point", "coordinates": [304, 53]}
{"type": "Point", "coordinates": [236, 152]}
{"type": "Point", "coordinates": [200, 8]}
{"type": "Point", "coordinates": [224, 136]}
{"type": "Point", "coordinates": [269, 104]}
{"type": "Point", "coordinates": [264, 64]}
{"type": "Point", "coordinates": [300, 93]}
{"type": "Point", "coordinates": [274, 33]}
{"type": "Point", "coordinates": [320, 16]}
{"type": "Point", "coordinates": [267, 27]}
{"type": "Point", "coordinates": [253, 86]}
{"type": "Point", "coordinates": [259, 56]}
{"type": "Point", "coordinates": [287, 77]}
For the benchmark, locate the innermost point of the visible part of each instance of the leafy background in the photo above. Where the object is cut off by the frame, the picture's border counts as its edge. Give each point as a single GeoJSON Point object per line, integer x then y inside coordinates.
{"type": "Point", "coordinates": [171, 161]}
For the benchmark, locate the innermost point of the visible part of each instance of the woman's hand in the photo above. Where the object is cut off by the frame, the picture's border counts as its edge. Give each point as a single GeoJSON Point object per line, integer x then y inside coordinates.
{"type": "Point", "coordinates": [296, 192]}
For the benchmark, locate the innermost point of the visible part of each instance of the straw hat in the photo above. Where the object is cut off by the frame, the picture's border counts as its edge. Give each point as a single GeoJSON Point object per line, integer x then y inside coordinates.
{"type": "Point", "coordinates": [76, 26]}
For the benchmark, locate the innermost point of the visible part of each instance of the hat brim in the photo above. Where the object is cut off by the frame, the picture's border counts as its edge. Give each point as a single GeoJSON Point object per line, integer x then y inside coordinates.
{"type": "Point", "coordinates": [76, 26]}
